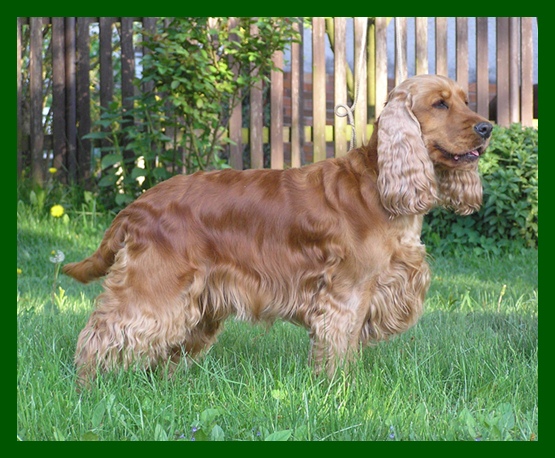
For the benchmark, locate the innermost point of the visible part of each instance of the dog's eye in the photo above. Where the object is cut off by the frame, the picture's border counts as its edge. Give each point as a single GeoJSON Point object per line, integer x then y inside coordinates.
{"type": "Point", "coordinates": [441, 104]}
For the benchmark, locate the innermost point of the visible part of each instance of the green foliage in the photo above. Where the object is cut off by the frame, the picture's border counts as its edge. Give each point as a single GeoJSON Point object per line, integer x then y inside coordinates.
{"type": "Point", "coordinates": [199, 69]}
{"type": "Point", "coordinates": [509, 214]}
{"type": "Point", "coordinates": [497, 425]}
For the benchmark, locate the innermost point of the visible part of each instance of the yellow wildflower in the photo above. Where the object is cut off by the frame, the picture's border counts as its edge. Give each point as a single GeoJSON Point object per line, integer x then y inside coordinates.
{"type": "Point", "coordinates": [52, 170]}
{"type": "Point", "coordinates": [57, 211]}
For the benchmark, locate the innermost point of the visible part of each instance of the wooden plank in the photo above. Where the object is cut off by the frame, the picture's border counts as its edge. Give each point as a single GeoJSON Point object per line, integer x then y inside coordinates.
{"type": "Point", "coordinates": [59, 95]}
{"type": "Point", "coordinates": [149, 28]}
{"type": "Point", "coordinates": [527, 72]}
{"type": "Point", "coordinates": [106, 69]}
{"type": "Point", "coordinates": [38, 168]}
{"type": "Point", "coordinates": [462, 52]}
{"type": "Point", "coordinates": [276, 113]}
{"type": "Point", "coordinates": [319, 88]}
{"type": "Point", "coordinates": [421, 43]}
{"type": "Point", "coordinates": [482, 67]}
{"type": "Point", "coordinates": [19, 101]}
{"type": "Point", "coordinates": [236, 148]}
{"type": "Point", "coordinates": [105, 58]}
{"type": "Point", "coordinates": [371, 68]}
{"type": "Point", "coordinates": [381, 64]}
{"type": "Point", "coordinates": [256, 122]}
{"type": "Point", "coordinates": [71, 99]}
{"type": "Point", "coordinates": [340, 84]}
{"type": "Point", "coordinates": [401, 73]}
{"type": "Point", "coordinates": [83, 98]}
{"type": "Point", "coordinates": [127, 75]}
{"type": "Point", "coordinates": [127, 64]}
{"type": "Point", "coordinates": [503, 56]}
{"type": "Point", "coordinates": [297, 98]}
{"type": "Point", "coordinates": [441, 46]}
{"type": "Point", "coordinates": [236, 119]}
{"type": "Point", "coordinates": [331, 36]}
{"type": "Point", "coordinates": [361, 107]}
{"type": "Point", "coordinates": [514, 69]}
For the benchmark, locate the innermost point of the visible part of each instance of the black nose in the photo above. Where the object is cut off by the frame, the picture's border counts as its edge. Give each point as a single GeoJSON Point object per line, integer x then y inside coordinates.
{"type": "Point", "coordinates": [483, 129]}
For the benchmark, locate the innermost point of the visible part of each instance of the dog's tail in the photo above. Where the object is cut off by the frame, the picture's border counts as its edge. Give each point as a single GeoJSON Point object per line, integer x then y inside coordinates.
{"type": "Point", "coordinates": [98, 264]}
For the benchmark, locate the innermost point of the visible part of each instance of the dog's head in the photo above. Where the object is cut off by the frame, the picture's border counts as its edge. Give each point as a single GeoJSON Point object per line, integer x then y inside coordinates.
{"type": "Point", "coordinates": [429, 144]}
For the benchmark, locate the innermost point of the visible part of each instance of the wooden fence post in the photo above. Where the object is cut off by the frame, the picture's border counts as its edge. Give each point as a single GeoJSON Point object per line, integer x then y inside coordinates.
{"type": "Point", "coordinates": [38, 172]}
{"type": "Point", "coordinates": [59, 96]}
{"type": "Point", "coordinates": [256, 121]}
{"type": "Point", "coordinates": [482, 67]}
{"type": "Point", "coordinates": [236, 119]}
{"type": "Point", "coordinates": [361, 108]}
{"type": "Point", "coordinates": [340, 84]}
{"type": "Point", "coordinates": [503, 66]}
{"type": "Point", "coordinates": [421, 44]}
{"type": "Point", "coordinates": [527, 72]}
{"type": "Point", "coordinates": [514, 70]}
{"type": "Point", "coordinates": [297, 98]}
{"type": "Point", "coordinates": [462, 52]}
{"type": "Point", "coordinates": [83, 117]}
{"type": "Point", "coordinates": [276, 109]}
{"type": "Point", "coordinates": [71, 103]}
{"type": "Point", "coordinates": [381, 64]}
{"type": "Point", "coordinates": [371, 68]}
{"type": "Point", "coordinates": [441, 46]}
{"type": "Point", "coordinates": [401, 72]}
{"type": "Point", "coordinates": [127, 87]}
{"type": "Point", "coordinates": [106, 70]}
{"type": "Point", "coordinates": [19, 101]}
{"type": "Point", "coordinates": [149, 28]}
{"type": "Point", "coordinates": [318, 89]}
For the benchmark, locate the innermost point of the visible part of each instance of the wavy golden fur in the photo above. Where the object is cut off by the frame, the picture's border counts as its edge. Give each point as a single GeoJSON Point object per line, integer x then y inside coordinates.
{"type": "Point", "coordinates": [333, 246]}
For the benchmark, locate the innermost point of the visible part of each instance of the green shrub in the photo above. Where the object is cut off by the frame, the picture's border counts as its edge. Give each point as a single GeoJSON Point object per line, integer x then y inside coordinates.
{"type": "Point", "coordinates": [199, 69]}
{"type": "Point", "coordinates": [509, 214]}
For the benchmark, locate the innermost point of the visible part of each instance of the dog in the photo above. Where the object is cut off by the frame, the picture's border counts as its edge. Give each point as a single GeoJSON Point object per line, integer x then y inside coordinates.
{"type": "Point", "coordinates": [333, 246]}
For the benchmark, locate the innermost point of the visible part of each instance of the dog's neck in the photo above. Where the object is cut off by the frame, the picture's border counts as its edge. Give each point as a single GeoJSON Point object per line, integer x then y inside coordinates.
{"type": "Point", "coordinates": [370, 152]}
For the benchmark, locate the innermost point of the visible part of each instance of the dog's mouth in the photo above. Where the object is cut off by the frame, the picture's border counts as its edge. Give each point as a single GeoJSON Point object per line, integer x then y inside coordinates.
{"type": "Point", "coordinates": [465, 157]}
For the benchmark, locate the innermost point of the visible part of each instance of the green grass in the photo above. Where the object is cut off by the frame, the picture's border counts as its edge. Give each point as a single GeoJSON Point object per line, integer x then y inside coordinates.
{"type": "Point", "coordinates": [467, 371]}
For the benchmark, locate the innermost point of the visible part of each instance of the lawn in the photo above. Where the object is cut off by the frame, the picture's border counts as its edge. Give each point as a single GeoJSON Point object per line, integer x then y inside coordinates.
{"type": "Point", "coordinates": [467, 371]}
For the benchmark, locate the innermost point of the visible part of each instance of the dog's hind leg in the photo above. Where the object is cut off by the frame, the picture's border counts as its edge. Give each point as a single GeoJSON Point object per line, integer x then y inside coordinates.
{"type": "Point", "coordinates": [197, 343]}
{"type": "Point", "coordinates": [130, 336]}
{"type": "Point", "coordinates": [136, 324]}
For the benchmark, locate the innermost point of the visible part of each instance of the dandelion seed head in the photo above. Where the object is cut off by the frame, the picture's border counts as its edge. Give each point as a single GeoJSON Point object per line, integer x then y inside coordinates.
{"type": "Point", "coordinates": [57, 256]}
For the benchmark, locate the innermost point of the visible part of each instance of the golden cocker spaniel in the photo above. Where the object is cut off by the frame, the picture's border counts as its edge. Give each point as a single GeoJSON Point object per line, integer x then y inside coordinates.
{"type": "Point", "coordinates": [333, 246]}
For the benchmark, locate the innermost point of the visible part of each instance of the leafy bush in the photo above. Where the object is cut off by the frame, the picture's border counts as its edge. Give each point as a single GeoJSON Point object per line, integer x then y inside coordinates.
{"type": "Point", "coordinates": [199, 69]}
{"type": "Point", "coordinates": [509, 214]}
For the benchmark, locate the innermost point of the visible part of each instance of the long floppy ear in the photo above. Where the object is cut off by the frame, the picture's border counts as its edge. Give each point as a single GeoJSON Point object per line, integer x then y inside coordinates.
{"type": "Point", "coordinates": [406, 181]}
{"type": "Point", "coordinates": [460, 190]}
